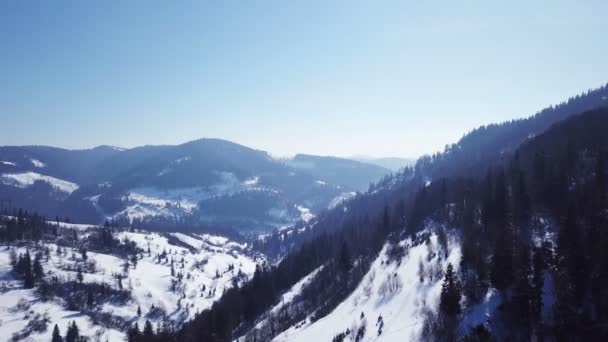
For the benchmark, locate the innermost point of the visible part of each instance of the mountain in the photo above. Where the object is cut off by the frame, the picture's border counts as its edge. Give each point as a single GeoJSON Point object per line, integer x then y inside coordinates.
{"type": "Point", "coordinates": [497, 238]}
{"type": "Point", "coordinates": [210, 181]}
{"type": "Point", "coordinates": [348, 173]}
{"type": "Point", "coordinates": [391, 163]}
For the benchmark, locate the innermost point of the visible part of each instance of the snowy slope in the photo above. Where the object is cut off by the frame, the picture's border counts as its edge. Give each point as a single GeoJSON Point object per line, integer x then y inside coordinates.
{"type": "Point", "coordinates": [207, 265]}
{"type": "Point", "coordinates": [18, 306]}
{"type": "Point", "coordinates": [392, 291]}
{"type": "Point", "coordinates": [26, 179]}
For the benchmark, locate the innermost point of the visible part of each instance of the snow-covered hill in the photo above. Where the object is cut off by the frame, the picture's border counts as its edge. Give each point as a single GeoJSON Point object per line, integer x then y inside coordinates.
{"type": "Point", "coordinates": [173, 277]}
{"type": "Point", "coordinates": [390, 302]}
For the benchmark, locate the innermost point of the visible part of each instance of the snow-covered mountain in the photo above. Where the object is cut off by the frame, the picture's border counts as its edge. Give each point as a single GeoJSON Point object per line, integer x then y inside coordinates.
{"type": "Point", "coordinates": [208, 180]}
{"type": "Point", "coordinates": [389, 304]}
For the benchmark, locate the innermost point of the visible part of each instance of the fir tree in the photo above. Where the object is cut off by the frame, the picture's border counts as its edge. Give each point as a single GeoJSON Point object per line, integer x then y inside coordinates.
{"type": "Point", "coordinates": [345, 258]}
{"type": "Point", "coordinates": [73, 333]}
{"type": "Point", "coordinates": [37, 269]}
{"type": "Point", "coordinates": [148, 330]}
{"type": "Point", "coordinates": [56, 335]}
{"type": "Point", "coordinates": [451, 294]}
{"type": "Point", "coordinates": [133, 335]}
{"type": "Point", "coordinates": [28, 274]}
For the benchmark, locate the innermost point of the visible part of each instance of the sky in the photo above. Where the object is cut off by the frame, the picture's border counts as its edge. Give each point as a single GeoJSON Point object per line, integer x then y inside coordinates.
{"type": "Point", "coordinates": [379, 78]}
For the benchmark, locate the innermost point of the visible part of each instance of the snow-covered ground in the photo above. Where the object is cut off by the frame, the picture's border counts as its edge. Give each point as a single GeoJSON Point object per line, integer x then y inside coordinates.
{"type": "Point", "coordinates": [19, 306]}
{"type": "Point", "coordinates": [37, 163]}
{"type": "Point", "coordinates": [152, 201]}
{"type": "Point", "coordinates": [26, 179]}
{"type": "Point", "coordinates": [305, 214]}
{"type": "Point", "coordinates": [286, 299]}
{"type": "Point", "coordinates": [206, 264]}
{"type": "Point", "coordinates": [392, 291]}
{"type": "Point", "coordinates": [343, 197]}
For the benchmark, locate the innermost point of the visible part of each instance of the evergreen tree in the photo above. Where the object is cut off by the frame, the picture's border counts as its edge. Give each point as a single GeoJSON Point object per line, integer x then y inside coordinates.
{"type": "Point", "coordinates": [536, 299]}
{"type": "Point", "coordinates": [133, 334]}
{"type": "Point", "coordinates": [451, 294]}
{"type": "Point", "coordinates": [28, 274]}
{"type": "Point", "coordinates": [37, 269]}
{"type": "Point", "coordinates": [522, 293]}
{"type": "Point", "coordinates": [79, 275]}
{"type": "Point", "coordinates": [73, 333]}
{"type": "Point", "coordinates": [56, 335]}
{"type": "Point", "coordinates": [345, 258]}
{"type": "Point", "coordinates": [90, 298]}
{"type": "Point", "coordinates": [148, 330]}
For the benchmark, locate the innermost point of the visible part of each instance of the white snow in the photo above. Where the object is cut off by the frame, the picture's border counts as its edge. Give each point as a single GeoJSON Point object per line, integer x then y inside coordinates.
{"type": "Point", "coordinates": [343, 197]}
{"type": "Point", "coordinates": [169, 168]}
{"type": "Point", "coordinates": [207, 266]}
{"type": "Point", "coordinates": [400, 307]}
{"type": "Point", "coordinates": [37, 163]}
{"type": "Point", "coordinates": [285, 300]}
{"type": "Point", "coordinates": [7, 163]}
{"type": "Point", "coordinates": [19, 305]}
{"type": "Point", "coordinates": [26, 179]}
{"type": "Point", "coordinates": [305, 214]}
{"type": "Point", "coordinates": [152, 201]}
{"type": "Point", "coordinates": [251, 181]}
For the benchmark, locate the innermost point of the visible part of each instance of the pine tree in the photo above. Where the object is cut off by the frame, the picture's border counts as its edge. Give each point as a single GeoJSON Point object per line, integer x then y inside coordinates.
{"type": "Point", "coordinates": [79, 275]}
{"type": "Point", "coordinates": [451, 294]}
{"type": "Point", "coordinates": [28, 274]}
{"type": "Point", "coordinates": [138, 311]}
{"type": "Point", "coordinates": [73, 333]}
{"type": "Point", "coordinates": [56, 335]}
{"type": "Point", "coordinates": [522, 293]}
{"type": "Point", "coordinates": [148, 330]}
{"type": "Point", "coordinates": [536, 299]}
{"type": "Point", "coordinates": [345, 258]}
{"type": "Point", "coordinates": [37, 269]}
{"type": "Point", "coordinates": [133, 335]}
{"type": "Point", "coordinates": [90, 298]}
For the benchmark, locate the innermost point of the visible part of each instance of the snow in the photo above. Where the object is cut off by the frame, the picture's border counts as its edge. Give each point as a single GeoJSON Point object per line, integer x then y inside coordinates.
{"type": "Point", "coordinates": [7, 163]}
{"type": "Point", "coordinates": [26, 179]}
{"type": "Point", "coordinates": [37, 163]}
{"type": "Point", "coordinates": [295, 290]}
{"type": "Point", "coordinates": [18, 304]}
{"type": "Point", "coordinates": [400, 309]}
{"type": "Point", "coordinates": [285, 300]}
{"type": "Point", "coordinates": [305, 214]}
{"type": "Point", "coordinates": [343, 197]}
{"type": "Point", "coordinates": [207, 264]}
{"type": "Point", "coordinates": [482, 312]}
{"type": "Point", "coordinates": [77, 226]}
{"type": "Point", "coordinates": [251, 181]}
{"type": "Point", "coordinates": [168, 168]}
{"type": "Point", "coordinates": [152, 201]}
{"type": "Point", "coordinates": [320, 182]}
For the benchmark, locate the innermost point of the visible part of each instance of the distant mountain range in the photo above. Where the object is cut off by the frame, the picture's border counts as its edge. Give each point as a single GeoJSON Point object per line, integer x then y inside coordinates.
{"type": "Point", "coordinates": [391, 163]}
{"type": "Point", "coordinates": [208, 180]}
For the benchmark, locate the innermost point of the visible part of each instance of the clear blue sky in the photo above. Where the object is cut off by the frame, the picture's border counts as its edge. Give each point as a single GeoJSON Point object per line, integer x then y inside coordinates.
{"type": "Point", "coordinates": [383, 78]}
